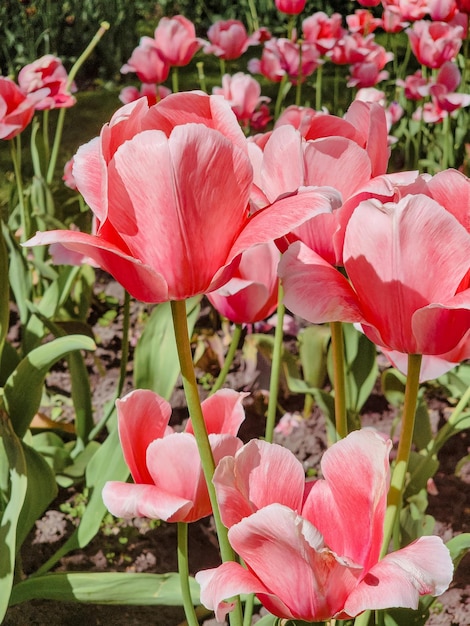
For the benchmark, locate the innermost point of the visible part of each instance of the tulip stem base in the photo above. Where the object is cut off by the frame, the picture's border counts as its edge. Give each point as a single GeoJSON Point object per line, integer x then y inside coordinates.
{"type": "Point", "coordinates": [275, 368]}
{"type": "Point", "coordinates": [183, 570]}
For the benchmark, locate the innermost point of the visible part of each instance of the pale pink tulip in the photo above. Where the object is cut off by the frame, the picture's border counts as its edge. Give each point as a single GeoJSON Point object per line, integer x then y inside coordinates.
{"type": "Point", "coordinates": [322, 30]}
{"type": "Point", "coordinates": [243, 93]}
{"type": "Point", "coordinates": [332, 565]}
{"type": "Point", "coordinates": [409, 9]}
{"type": "Point", "coordinates": [16, 109]}
{"type": "Point", "coordinates": [68, 178]}
{"type": "Point", "coordinates": [153, 93]}
{"type": "Point", "coordinates": [252, 294]}
{"type": "Point", "coordinates": [392, 20]}
{"type": "Point", "coordinates": [442, 10]}
{"type": "Point", "coordinates": [168, 479]}
{"type": "Point", "coordinates": [47, 72]}
{"type": "Point", "coordinates": [291, 7]}
{"type": "Point", "coordinates": [147, 62]}
{"type": "Point", "coordinates": [228, 39]}
{"type": "Point", "coordinates": [388, 249]}
{"type": "Point", "coordinates": [434, 43]}
{"type": "Point", "coordinates": [176, 39]}
{"type": "Point", "coordinates": [170, 187]}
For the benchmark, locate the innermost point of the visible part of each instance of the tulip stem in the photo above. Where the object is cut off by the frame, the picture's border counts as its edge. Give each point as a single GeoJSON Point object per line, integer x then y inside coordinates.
{"type": "Point", "coordinates": [404, 447]}
{"type": "Point", "coordinates": [237, 333]}
{"type": "Point", "coordinates": [275, 367]}
{"type": "Point", "coordinates": [15, 146]}
{"type": "Point", "coordinates": [183, 570]}
{"type": "Point", "coordinates": [175, 79]}
{"type": "Point", "coordinates": [180, 324]}
{"type": "Point", "coordinates": [337, 346]}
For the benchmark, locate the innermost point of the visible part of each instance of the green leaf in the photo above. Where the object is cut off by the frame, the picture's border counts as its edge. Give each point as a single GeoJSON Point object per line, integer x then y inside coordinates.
{"type": "Point", "coordinates": [30, 375]}
{"type": "Point", "coordinates": [313, 344]}
{"type": "Point", "coordinates": [106, 464]}
{"type": "Point", "coordinates": [13, 450]}
{"type": "Point", "coordinates": [156, 364]}
{"type": "Point", "coordinates": [393, 386]}
{"type": "Point", "coordinates": [19, 275]}
{"type": "Point", "coordinates": [105, 588]}
{"type": "Point", "coordinates": [4, 291]}
{"type": "Point", "coordinates": [458, 547]}
{"type": "Point", "coordinates": [268, 620]}
{"type": "Point", "coordinates": [405, 617]}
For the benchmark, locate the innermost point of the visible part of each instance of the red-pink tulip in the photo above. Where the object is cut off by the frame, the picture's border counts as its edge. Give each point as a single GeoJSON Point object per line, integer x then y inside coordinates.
{"type": "Point", "coordinates": [147, 62]}
{"type": "Point", "coordinates": [463, 6]}
{"type": "Point", "coordinates": [281, 57]}
{"type": "Point", "coordinates": [322, 30]}
{"type": "Point", "coordinates": [409, 9]}
{"type": "Point", "coordinates": [388, 249]}
{"type": "Point", "coordinates": [434, 43]}
{"type": "Point", "coordinates": [363, 22]}
{"type": "Point", "coordinates": [228, 39]}
{"type": "Point", "coordinates": [48, 72]}
{"type": "Point", "coordinates": [176, 39]}
{"type": "Point", "coordinates": [252, 294]}
{"type": "Point", "coordinates": [168, 479]}
{"type": "Point", "coordinates": [369, 3]}
{"type": "Point", "coordinates": [332, 565]}
{"type": "Point", "coordinates": [170, 187]}
{"type": "Point", "coordinates": [153, 93]}
{"type": "Point", "coordinates": [392, 20]}
{"type": "Point", "coordinates": [291, 7]}
{"type": "Point", "coordinates": [16, 109]}
{"type": "Point", "coordinates": [243, 93]}
{"type": "Point", "coordinates": [442, 10]}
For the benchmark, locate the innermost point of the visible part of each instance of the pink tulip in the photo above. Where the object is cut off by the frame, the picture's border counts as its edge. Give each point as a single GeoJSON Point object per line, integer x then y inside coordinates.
{"type": "Point", "coordinates": [363, 22]}
{"type": "Point", "coordinates": [243, 93]}
{"type": "Point", "coordinates": [228, 39]}
{"type": "Point", "coordinates": [409, 9]}
{"type": "Point", "coordinates": [147, 62]}
{"type": "Point", "coordinates": [369, 3]}
{"type": "Point", "coordinates": [415, 86]}
{"type": "Point", "coordinates": [434, 43]}
{"type": "Point", "coordinates": [16, 109]}
{"type": "Point", "coordinates": [353, 48]}
{"type": "Point", "coordinates": [392, 20]}
{"type": "Point", "coordinates": [170, 187]}
{"type": "Point", "coordinates": [331, 564]}
{"type": "Point", "coordinates": [323, 31]}
{"type": "Point", "coordinates": [260, 119]}
{"type": "Point", "coordinates": [49, 72]}
{"type": "Point", "coordinates": [291, 7]}
{"type": "Point", "coordinates": [387, 252]}
{"type": "Point", "coordinates": [168, 479]}
{"type": "Point", "coordinates": [68, 178]}
{"type": "Point", "coordinates": [442, 10]}
{"type": "Point", "coordinates": [153, 93]}
{"type": "Point", "coordinates": [252, 294]}
{"type": "Point", "coordinates": [463, 6]}
{"type": "Point", "coordinates": [282, 57]}
{"type": "Point", "coordinates": [176, 39]}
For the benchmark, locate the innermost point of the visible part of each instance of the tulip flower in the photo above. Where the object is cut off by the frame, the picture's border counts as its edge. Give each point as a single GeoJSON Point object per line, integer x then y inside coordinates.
{"type": "Point", "coordinates": [148, 62]}
{"type": "Point", "coordinates": [392, 20]}
{"type": "Point", "coordinates": [363, 22]}
{"type": "Point", "coordinates": [228, 39]}
{"type": "Point", "coordinates": [331, 563]}
{"type": "Point", "coordinates": [322, 30]}
{"type": "Point", "coordinates": [176, 39]}
{"type": "Point", "coordinates": [243, 93]}
{"type": "Point", "coordinates": [442, 10]}
{"type": "Point", "coordinates": [153, 93]}
{"type": "Point", "coordinates": [388, 249]}
{"type": "Point", "coordinates": [170, 188]}
{"type": "Point", "coordinates": [252, 294]}
{"type": "Point", "coordinates": [283, 57]}
{"type": "Point", "coordinates": [48, 71]}
{"type": "Point", "coordinates": [16, 109]}
{"type": "Point", "coordinates": [291, 7]}
{"type": "Point", "coordinates": [165, 465]}
{"type": "Point", "coordinates": [434, 43]}
{"type": "Point", "coordinates": [409, 9]}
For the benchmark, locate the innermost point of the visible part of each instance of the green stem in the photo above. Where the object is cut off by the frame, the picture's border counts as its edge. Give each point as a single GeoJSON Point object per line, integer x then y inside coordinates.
{"type": "Point", "coordinates": [298, 86]}
{"type": "Point", "coordinates": [280, 97]}
{"type": "Point", "coordinates": [15, 150]}
{"type": "Point", "coordinates": [404, 447]}
{"type": "Point", "coordinates": [201, 76]}
{"type": "Point", "coordinates": [318, 88]}
{"type": "Point", "coordinates": [363, 619]}
{"type": "Point", "coordinates": [178, 310]}
{"type": "Point", "coordinates": [290, 26]}
{"type": "Point", "coordinates": [275, 367]}
{"type": "Point", "coordinates": [183, 570]}
{"type": "Point", "coordinates": [45, 134]}
{"type": "Point", "coordinates": [222, 68]}
{"type": "Point", "coordinates": [104, 27]}
{"type": "Point", "coordinates": [339, 383]}
{"type": "Point", "coordinates": [174, 79]}
{"type": "Point", "coordinates": [237, 333]}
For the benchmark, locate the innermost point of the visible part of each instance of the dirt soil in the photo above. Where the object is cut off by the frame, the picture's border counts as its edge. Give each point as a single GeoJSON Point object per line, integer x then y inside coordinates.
{"type": "Point", "coordinates": [152, 548]}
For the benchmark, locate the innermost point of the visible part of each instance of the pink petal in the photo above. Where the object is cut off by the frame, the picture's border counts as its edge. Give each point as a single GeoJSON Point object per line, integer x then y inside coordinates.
{"type": "Point", "coordinates": [371, 124]}
{"type": "Point", "coordinates": [279, 546]}
{"type": "Point", "coordinates": [314, 289]}
{"type": "Point", "coordinates": [127, 500]}
{"type": "Point", "coordinates": [226, 581]}
{"type": "Point", "coordinates": [452, 190]}
{"type": "Point", "coordinates": [356, 471]}
{"type": "Point", "coordinates": [88, 175]}
{"type": "Point", "coordinates": [223, 412]}
{"type": "Point", "coordinates": [259, 474]}
{"type": "Point", "coordinates": [423, 567]}
{"type": "Point", "coordinates": [142, 417]}
{"type": "Point", "coordinates": [140, 280]}
{"type": "Point", "coordinates": [282, 169]}
{"type": "Point", "coordinates": [388, 251]}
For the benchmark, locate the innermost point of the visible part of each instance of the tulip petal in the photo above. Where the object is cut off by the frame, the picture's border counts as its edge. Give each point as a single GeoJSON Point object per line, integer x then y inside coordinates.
{"type": "Point", "coordinates": [278, 546]}
{"type": "Point", "coordinates": [371, 124]}
{"type": "Point", "coordinates": [223, 412]}
{"type": "Point", "coordinates": [142, 417]}
{"type": "Point", "coordinates": [140, 280]}
{"type": "Point", "coordinates": [457, 202]}
{"type": "Point", "coordinates": [127, 500]}
{"type": "Point", "coordinates": [314, 289]}
{"type": "Point", "coordinates": [282, 169]}
{"type": "Point", "coordinates": [348, 506]}
{"type": "Point", "coordinates": [423, 567]}
{"type": "Point", "coordinates": [260, 474]}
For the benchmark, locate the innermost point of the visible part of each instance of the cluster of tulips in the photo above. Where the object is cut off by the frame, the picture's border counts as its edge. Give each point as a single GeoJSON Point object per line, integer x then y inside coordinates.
{"type": "Point", "coordinates": [304, 216]}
